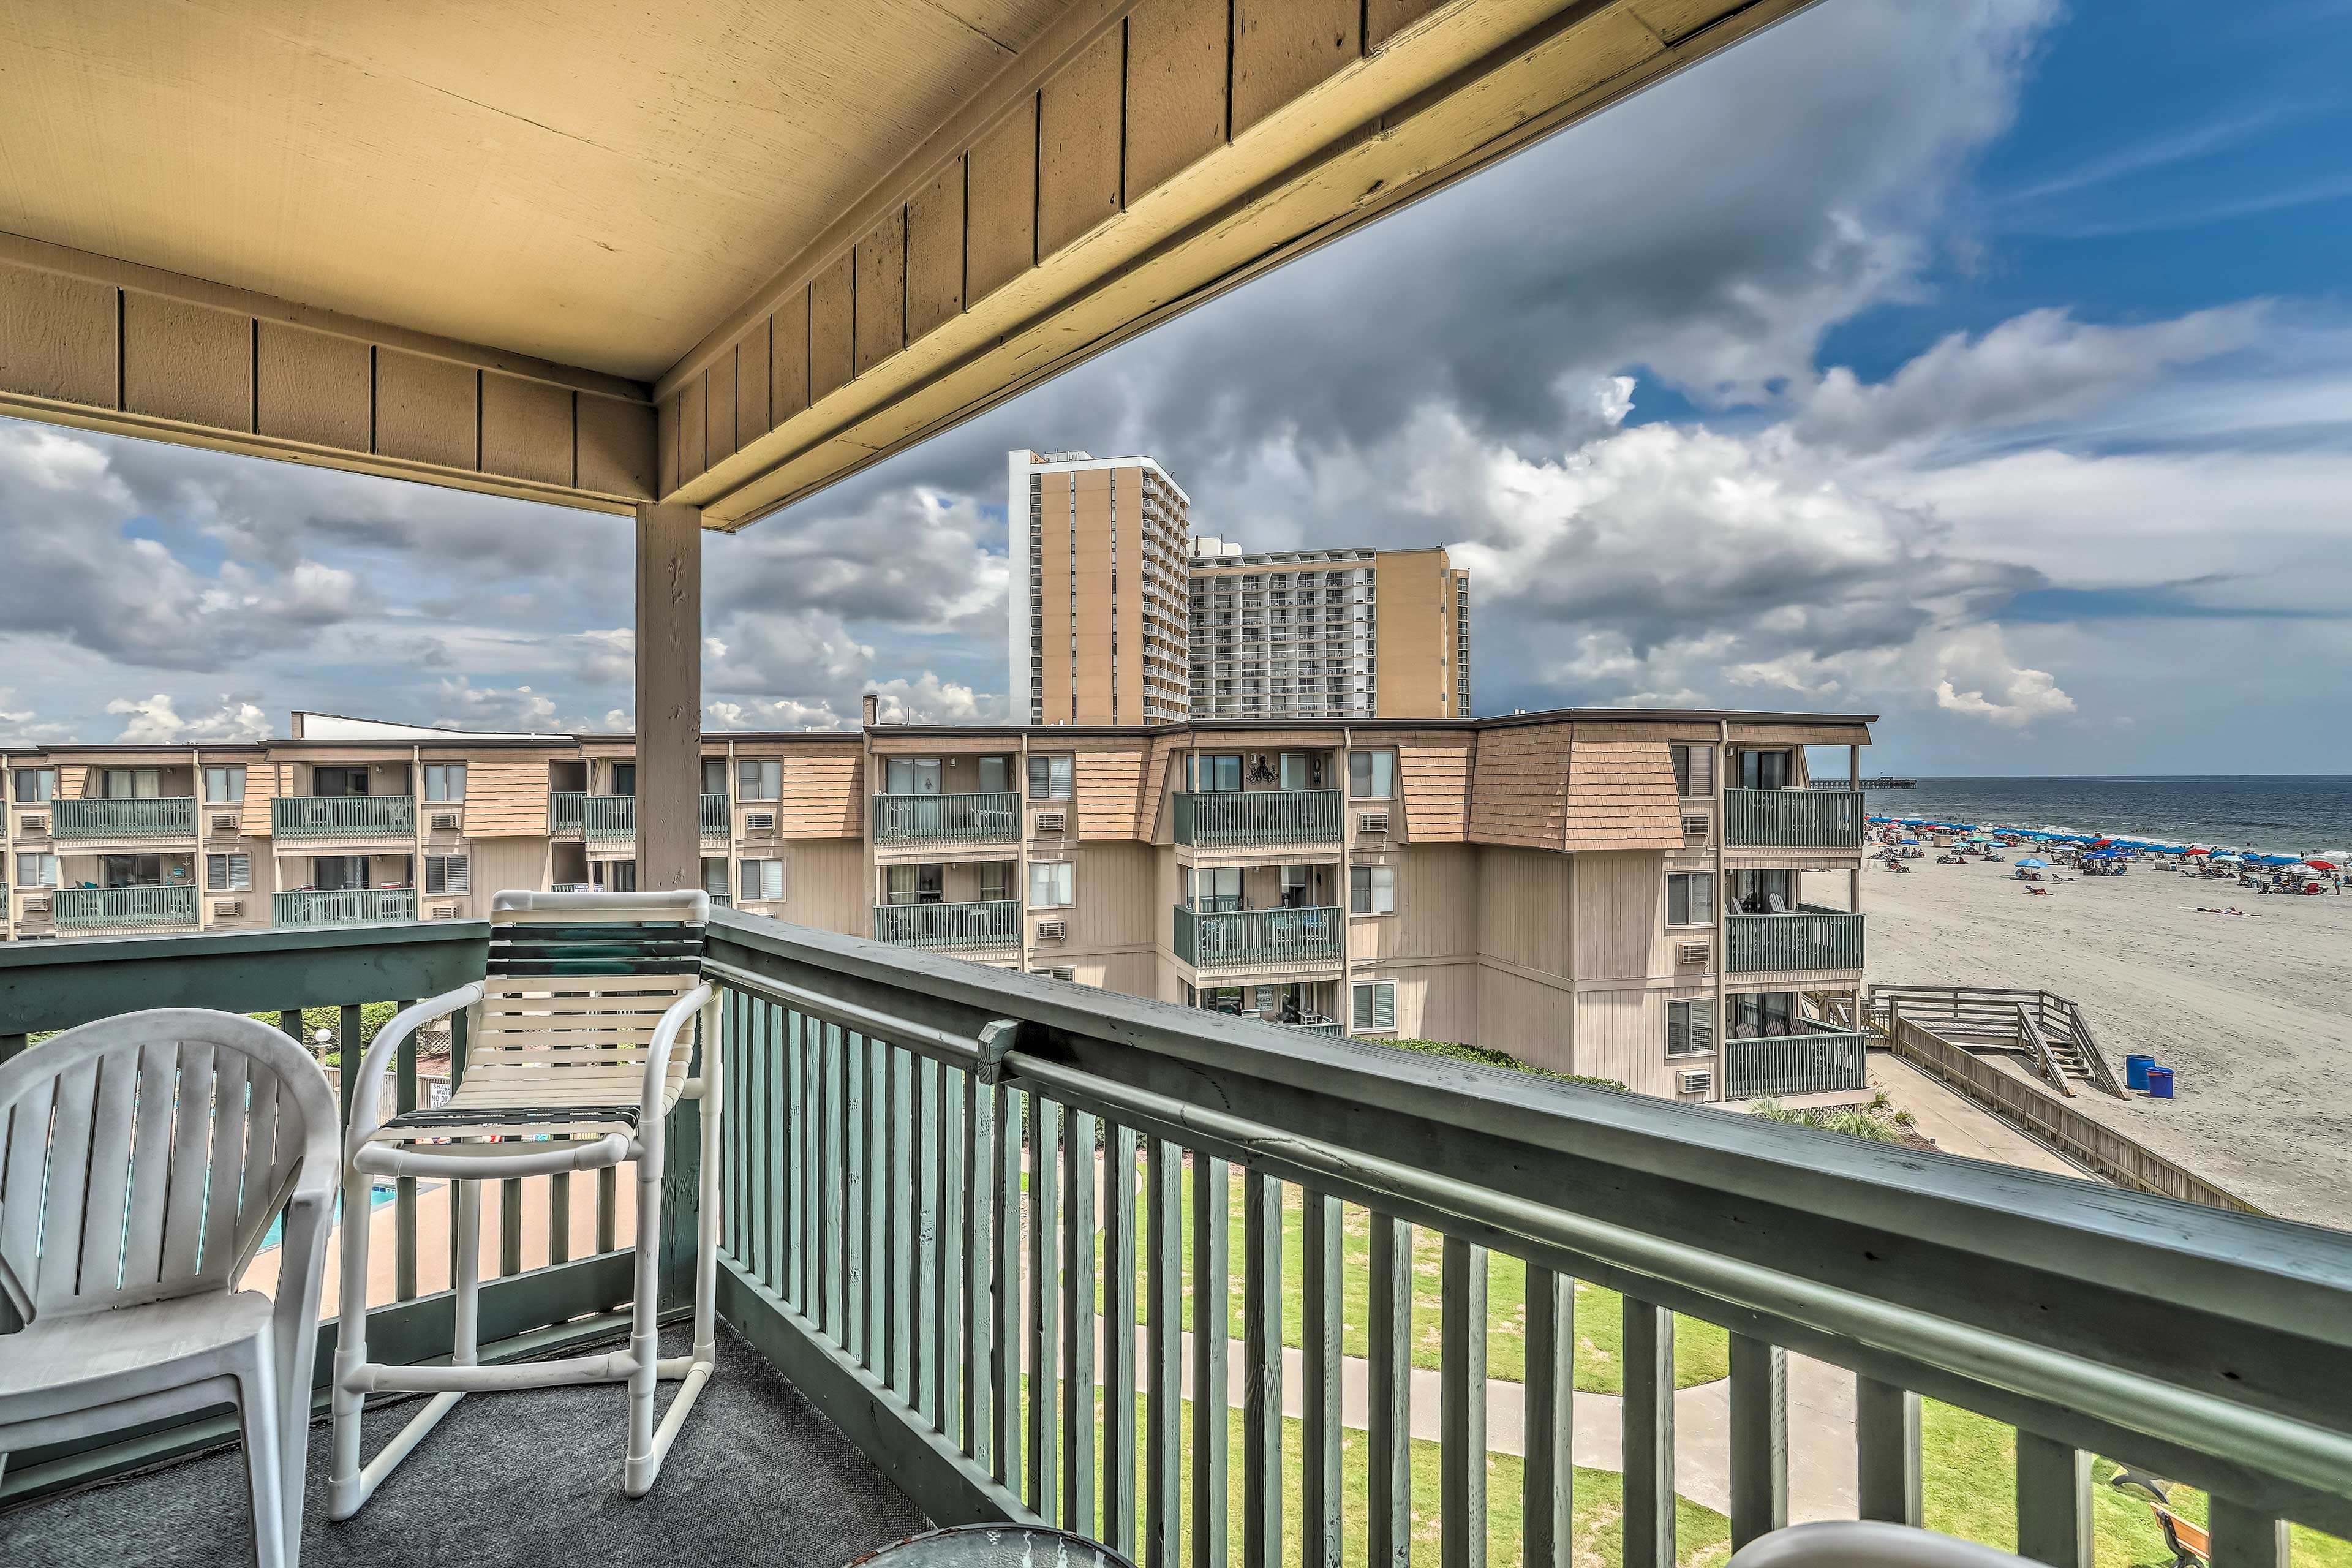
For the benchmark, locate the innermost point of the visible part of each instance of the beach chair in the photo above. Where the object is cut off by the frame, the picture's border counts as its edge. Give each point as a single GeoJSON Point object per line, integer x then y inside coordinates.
{"type": "Point", "coordinates": [142, 1160]}
{"type": "Point", "coordinates": [581, 1035]}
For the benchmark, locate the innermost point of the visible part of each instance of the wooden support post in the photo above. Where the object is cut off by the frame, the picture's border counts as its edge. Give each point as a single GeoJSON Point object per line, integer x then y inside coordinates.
{"type": "Point", "coordinates": [669, 697]}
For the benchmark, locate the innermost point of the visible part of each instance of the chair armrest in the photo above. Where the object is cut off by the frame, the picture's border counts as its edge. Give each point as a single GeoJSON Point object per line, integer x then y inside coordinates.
{"type": "Point", "coordinates": [657, 1055]}
{"type": "Point", "coordinates": [367, 1088]}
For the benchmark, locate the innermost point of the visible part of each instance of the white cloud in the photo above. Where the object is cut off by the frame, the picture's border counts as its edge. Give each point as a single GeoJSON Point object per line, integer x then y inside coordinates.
{"type": "Point", "coordinates": [1976, 677]}
{"type": "Point", "coordinates": [155, 721]}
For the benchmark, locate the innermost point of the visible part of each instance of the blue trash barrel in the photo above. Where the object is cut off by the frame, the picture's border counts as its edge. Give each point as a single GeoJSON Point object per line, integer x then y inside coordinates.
{"type": "Point", "coordinates": [2135, 1071]}
{"type": "Point", "coordinates": [2159, 1083]}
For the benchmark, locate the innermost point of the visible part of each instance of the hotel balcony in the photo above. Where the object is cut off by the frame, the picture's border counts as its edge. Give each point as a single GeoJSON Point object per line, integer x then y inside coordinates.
{"type": "Point", "coordinates": [1303, 942]}
{"type": "Point", "coordinates": [1253, 819]}
{"type": "Point", "coordinates": [344, 817]}
{"type": "Point", "coordinates": [933, 821]}
{"type": "Point", "coordinates": [906, 1355]}
{"type": "Point", "coordinates": [982, 926]}
{"type": "Point", "coordinates": [90, 910]}
{"type": "Point", "coordinates": [342, 906]}
{"type": "Point", "coordinates": [1792, 818]}
{"type": "Point", "coordinates": [609, 818]}
{"type": "Point", "coordinates": [1814, 1062]}
{"type": "Point", "coordinates": [1808, 939]}
{"type": "Point", "coordinates": [91, 820]}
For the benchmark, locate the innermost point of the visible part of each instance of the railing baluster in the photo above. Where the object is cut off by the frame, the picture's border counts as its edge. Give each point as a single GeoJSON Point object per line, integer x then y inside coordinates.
{"type": "Point", "coordinates": [749, 1040]}
{"type": "Point", "coordinates": [1212, 1198]}
{"type": "Point", "coordinates": [734, 1174]}
{"type": "Point", "coordinates": [891, 1276]}
{"type": "Point", "coordinates": [1648, 1415]}
{"type": "Point", "coordinates": [783, 1170]}
{"type": "Point", "coordinates": [1262, 1357]}
{"type": "Point", "coordinates": [1759, 1438]}
{"type": "Point", "coordinates": [1044, 1347]}
{"type": "Point", "coordinates": [2053, 1502]}
{"type": "Point", "coordinates": [1119, 1339]}
{"type": "Point", "coordinates": [1388, 1482]}
{"type": "Point", "coordinates": [1004, 1280]}
{"type": "Point", "coordinates": [510, 1228]}
{"type": "Point", "coordinates": [1548, 1479]}
{"type": "Point", "coordinates": [951, 1366]}
{"type": "Point", "coordinates": [1078, 1326]}
{"type": "Point", "coordinates": [1462, 1400]}
{"type": "Point", "coordinates": [873, 1243]}
{"type": "Point", "coordinates": [923, 1305]}
{"type": "Point", "coordinates": [404, 1201]}
{"type": "Point", "coordinates": [1886, 1450]}
{"type": "Point", "coordinates": [2246, 1537]}
{"type": "Point", "coordinates": [1163, 1353]}
{"type": "Point", "coordinates": [832, 1173]}
{"type": "Point", "coordinates": [1320, 1343]}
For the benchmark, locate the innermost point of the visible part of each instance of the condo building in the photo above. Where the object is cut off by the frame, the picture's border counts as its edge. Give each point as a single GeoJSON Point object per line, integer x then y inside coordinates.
{"type": "Point", "coordinates": [1612, 892]}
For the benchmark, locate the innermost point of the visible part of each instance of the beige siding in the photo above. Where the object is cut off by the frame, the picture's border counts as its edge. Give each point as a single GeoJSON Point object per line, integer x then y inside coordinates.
{"type": "Point", "coordinates": [1619, 916]}
{"type": "Point", "coordinates": [1108, 785]}
{"type": "Point", "coordinates": [506, 791]}
{"type": "Point", "coordinates": [1114, 884]}
{"type": "Point", "coordinates": [500, 865]}
{"type": "Point", "coordinates": [1519, 791]}
{"type": "Point", "coordinates": [1524, 908]}
{"type": "Point", "coordinates": [1525, 1016]}
{"type": "Point", "coordinates": [1433, 1002]}
{"type": "Point", "coordinates": [261, 787]}
{"type": "Point", "coordinates": [823, 795]}
{"type": "Point", "coordinates": [825, 886]}
{"type": "Point", "coordinates": [1621, 795]}
{"type": "Point", "coordinates": [1434, 772]}
{"type": "Point", "coordinates": [1753, 732]}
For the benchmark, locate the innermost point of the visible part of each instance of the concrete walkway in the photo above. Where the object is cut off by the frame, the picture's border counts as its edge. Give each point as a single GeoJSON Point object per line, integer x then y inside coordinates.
{"type": "Point", "coordinates": [1958, 1126]}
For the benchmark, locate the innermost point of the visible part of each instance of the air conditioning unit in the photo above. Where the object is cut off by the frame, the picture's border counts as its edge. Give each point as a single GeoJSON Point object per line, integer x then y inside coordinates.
{"type": "Point", "coordinates": [1693, 825]}
{"type": "Point", "coordinates": [37, 827]}
{"type": "Point", "coordinates": [1699, 1081]}
{"type": "Point", "coordinates": [1053, 822]}
{"type": "Point", "coordinates": [1691, 952]}
{"type": "Point", "coordinates": [445, 821]}
{"type": "Point", "coordinates": [1372, 822]}
{"type": "Point", "coordinates": [760, 822]}
{"type": "Point", "coordinates": [37, 906]}
{"type": "Point", "coordinates": [1053, 931]}
{"type": "Point", "coordinates": [441, 913]}
{"type": "Point", "coordinates": [224, 907]}
{"type": "Point", "coordinates": [225, 822]}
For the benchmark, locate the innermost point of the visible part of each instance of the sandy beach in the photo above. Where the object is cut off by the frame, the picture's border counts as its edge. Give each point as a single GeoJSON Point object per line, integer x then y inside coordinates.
{"type": "Point", "coordinates": [2253, 1012]}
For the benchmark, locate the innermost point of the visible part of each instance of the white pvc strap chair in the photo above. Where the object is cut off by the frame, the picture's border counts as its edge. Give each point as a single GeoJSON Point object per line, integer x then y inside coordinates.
{"type": "Point", "coordinates": [143, 1159]}
{"type": "Point", "coordinates": [580, 1045]}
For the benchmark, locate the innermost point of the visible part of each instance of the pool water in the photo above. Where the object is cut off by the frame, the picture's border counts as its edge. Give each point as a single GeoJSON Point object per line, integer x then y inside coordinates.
{"type": "Point", "coordinates": [377, 1198]}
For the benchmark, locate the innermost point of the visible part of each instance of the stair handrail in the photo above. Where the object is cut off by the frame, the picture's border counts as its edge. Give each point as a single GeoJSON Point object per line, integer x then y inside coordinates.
{"type": "Point", "coordinates": [2030, 1032]}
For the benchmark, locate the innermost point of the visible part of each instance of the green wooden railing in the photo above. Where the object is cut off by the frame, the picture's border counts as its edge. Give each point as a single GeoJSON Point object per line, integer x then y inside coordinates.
{"type": "Point", "coordinates": [914, 820]}
{"type": "Point", "coordinates": [1257, 939]}
{"type": "Point", "coordinates": [342, 906]}
{"type": "Point", "coordinates": [968, 1211]}
{"type": "Point", "coordinates": [1794, 1064]}
{"type": "Point", "coordinates": [1792, 818]}
{"type": "Point", "coordinates": [1755, 944]}
{"type": "Point", "coordinates": [123, 909]}
{"type": "Point", "coordinates": [344, 817]}
{"type": "Point", "coordinates": [988, 924]}
{"type": "Point", "coordinates": [610, 816]}
{"type": "Point", "coordinates": [1239, 819]}
{"type": "Point", "coordinates": [164, 817]}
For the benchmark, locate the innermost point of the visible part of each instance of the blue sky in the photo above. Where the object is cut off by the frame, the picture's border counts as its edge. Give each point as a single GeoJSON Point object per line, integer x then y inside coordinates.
{"type": "Point", "coordinates": [1986, 366]}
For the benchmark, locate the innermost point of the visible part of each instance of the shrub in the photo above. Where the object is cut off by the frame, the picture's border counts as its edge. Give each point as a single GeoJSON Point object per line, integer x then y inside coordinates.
{"type": "Point", "coordinates": [1485, 1057]}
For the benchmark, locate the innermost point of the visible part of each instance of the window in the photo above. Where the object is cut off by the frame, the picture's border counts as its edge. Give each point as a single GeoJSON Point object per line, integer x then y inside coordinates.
{"type": "Point", "coordinates": [714, 876]}
{"type": "Point", "coordinates": [36, 869]}
{"type": "Point", "coordinates": [1371, 890]}
{"type": "Point", "coordinates": [339, 873]}
{"type": "Point", "coordinates": [228, 873]}
{"type": "Point", "coordinates": [1768, 1013]}
{"type": "Point", "coordinates": [761, 879]}
{"type": "Point", "coordinates": [1769, 892]}
{"type": "Point", "coordinates": [1299, 769]}
{"type": "Point", "coordinates": [1050, 885]}
{"type": "Point", "coordinates": [36, 785]}
{"type": "Point", "coordinates": [1217, 890]}
{"type": "Point", "coordinates": [1764, 770]}
{"type": "Point", "coordinates": [714, 775]}
{"type": "Point", "coordinates": [995, 775]}
{"type": "Point", "coordinates": [339, 783]}
{"type": "Point", "coordinates": [224, 786]}
{"type": "Point", "coordinates": [1372, 774]}
{"type": "Point", "coordinates": [614, 876]}
{"type": "Point", "coordinates": [445, 781]}
{"type": "Point", "coordinates": [1690, 1029]}
{"type": "Point", "coordinates": [759, 778]}
{"type": "Point", "coordinates": [1049, 778]}
{"type": "Point", "coordinates": [1070, 976]}
{"type": "Point", "coordinates": [1375, 1004]}
{"type": "Point", "coordinates": [1215, 774]}
{"type": "Point", "coordinates": [1694, 771]}
{"type": "Point", "coordinates": [445, 874]}
{"type": "Point", "coordinates": [995, 881]}
{"type": "Point", "coordinates": [923, 884]}
{"type": "Point", "coordinates": [624, 778]}
{"type": "Point", "coordinates": [129, 784]}
{"type": "Point", "coordinates": [912, 775]}
{"type": "Point", "coordinates": [1690, 898]}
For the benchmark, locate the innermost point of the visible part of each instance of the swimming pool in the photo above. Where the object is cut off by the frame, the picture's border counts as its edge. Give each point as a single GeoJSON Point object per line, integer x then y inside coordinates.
{"type": "Point", "coordinates": [377, 1198]}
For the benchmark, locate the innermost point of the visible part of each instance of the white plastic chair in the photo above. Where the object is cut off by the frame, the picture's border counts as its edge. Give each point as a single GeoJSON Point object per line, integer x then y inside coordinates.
{"type": "Point", "coordinates": [1867, 1543]}
{"type": "Point", "coordinates": [573, 1063]}
{"type": "Point", "coordinates": [143, 1159]}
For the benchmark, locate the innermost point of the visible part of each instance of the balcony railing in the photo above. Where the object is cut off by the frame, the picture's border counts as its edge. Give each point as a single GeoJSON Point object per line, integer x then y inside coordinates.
{"type": "Point", "coordinates": [921, 1282]}
{"type": "Point", "coordinates": [342, 906]}
{"type": "Point", "coordinates": [1242, 819]}
{"type": "Point", "coordinates": [164, 817]}
{"type": "Point", "coordinates": [344, 817]}
{"type": "Point", "coordinates": [612, 816]}
{"type": "Point", "coordinates": [1754, 944]}
{"type": "Point", "coordinates": [907, 821]}
{"type": "Point", "coordinates": [123, 909]}
{"type": "Point", "coordinates": [1792, 818]}
{"type": "Point", "coordinates": [1257, 939]}
{"type": "Point", "coordinates": [1794, 1064]}
{"type": "Point", "coordinates": [991, 923]}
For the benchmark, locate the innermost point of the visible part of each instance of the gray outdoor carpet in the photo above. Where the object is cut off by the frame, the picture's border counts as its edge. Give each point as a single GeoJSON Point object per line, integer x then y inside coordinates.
{"type": "Point", "coordinates": [758, 1475]}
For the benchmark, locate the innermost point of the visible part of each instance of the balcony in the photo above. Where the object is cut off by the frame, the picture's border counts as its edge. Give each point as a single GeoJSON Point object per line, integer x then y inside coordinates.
{"type": "Point", "coordinates": [1812, 1063]}
{"type": "Point", "coordinates": [917, 1289]}
{"type": "Point", "coordinates": [1237, 819]}
{"type": "Point", "coordinates": [920, 821]}
{"type": "Point", "coordinates": [164, 817]}
{"type": "Point", "coordinates": [344, 817]}
{"type": "Point", "coordinates": [123, 909]}
{"type": "Point", "coordinates": [1808, 940]}
{"type": "Point", "coordinates": [1212, 942]}
{"type": "Point", "coordinates": [342, 906]}
{"type": "Point", "coordinates": [606, 818]}
{"type": "Point", "coordinates": [1791, 819]}
{"type": "Point", "coordinates": [988, 925]}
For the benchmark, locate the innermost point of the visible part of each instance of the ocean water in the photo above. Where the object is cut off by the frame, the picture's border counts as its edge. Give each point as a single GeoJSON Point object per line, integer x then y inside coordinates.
{"type": "Point", "coordinates": [2287, 815]}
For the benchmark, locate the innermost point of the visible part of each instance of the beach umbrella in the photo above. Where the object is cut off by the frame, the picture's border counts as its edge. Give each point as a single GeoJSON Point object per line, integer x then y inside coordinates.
{"type": "Point", "coordinates": [2218, 859]}
{"type": "Point", "coordinates": [2193, 850]}
{"type": "Point", "coordinates": [2320, 864]}
{"type": "Point", "coordinates": [2033, 860]}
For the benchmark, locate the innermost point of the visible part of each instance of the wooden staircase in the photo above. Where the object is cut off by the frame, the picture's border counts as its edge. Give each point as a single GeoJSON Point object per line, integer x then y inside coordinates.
{"type": "Point", "coordinates": [2048, 1030]}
